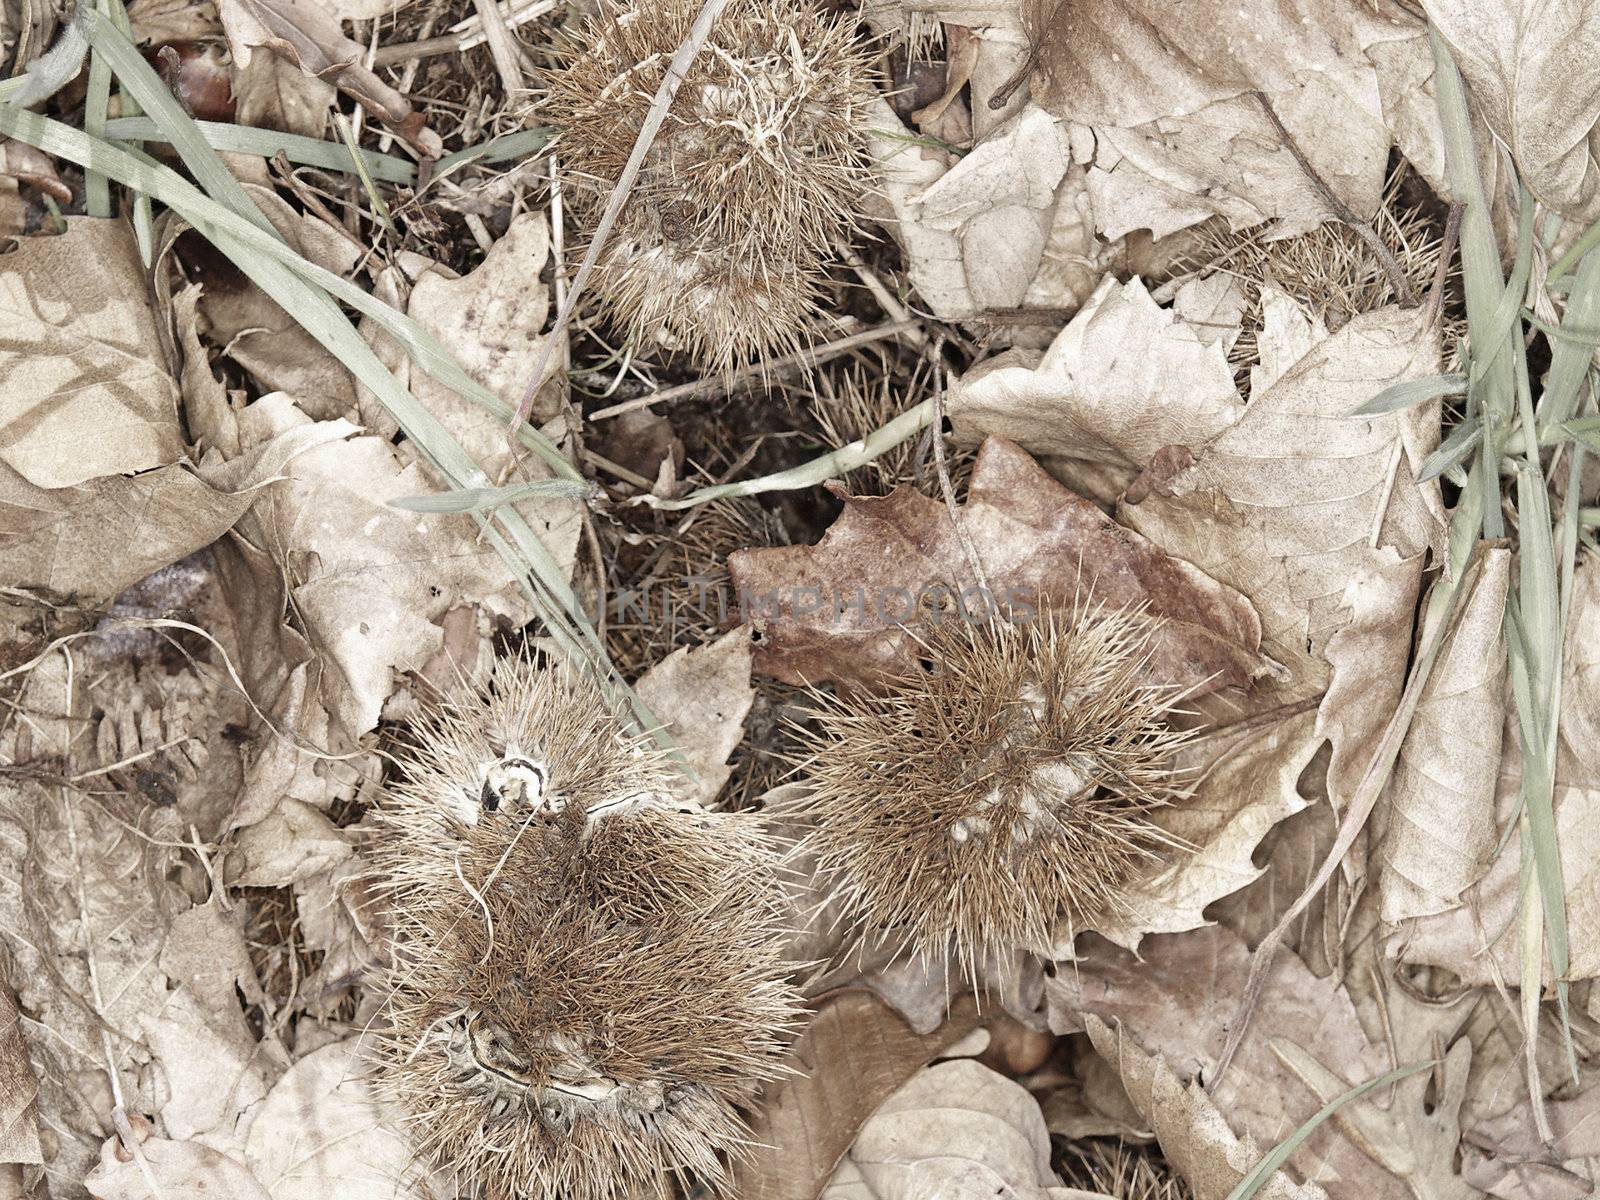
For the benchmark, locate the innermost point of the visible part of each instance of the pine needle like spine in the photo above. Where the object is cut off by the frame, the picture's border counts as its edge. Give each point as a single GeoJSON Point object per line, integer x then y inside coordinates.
{"type": "Point", "coordinates": [587, 977]}
{"type": "Point", "coordinates": [759, 167]}
{"type": "Point", "coordinates": [997, 796]}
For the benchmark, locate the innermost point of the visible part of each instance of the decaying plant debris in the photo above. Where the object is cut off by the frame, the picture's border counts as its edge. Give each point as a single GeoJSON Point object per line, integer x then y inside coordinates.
{"type": "Point", "coordinates": [1038, 636]}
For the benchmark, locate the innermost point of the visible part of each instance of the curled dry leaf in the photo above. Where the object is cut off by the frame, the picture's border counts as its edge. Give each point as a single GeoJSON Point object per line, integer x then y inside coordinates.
{"type": "Point", "coordinates": [369, 583]}
{"type": "Point", "coordinates": [1535, 84]}
{"type": "Point", "coordinates": [835, 611]}
{"type": "Point", "coordinates": [1480, 938]}
{"type": "Point", "coordinates": [1435, 828]}
{"type": "Point", "coordinates": [308, 35]}
{"type": "Point", "coordinates": [702, 694]}
{"type": "Point", "coordinates": [1313, 514]}
{"type": "Point", "coordinates": [22, 162]}
{"type": "Point", "coordinates": [1124, 379]}
{"type": "Point", "coordinates": [853, 1054]}
{"type": "Point", "coordinates": [956, 1130]}
{"type": "Point", "coordinates": [83, 386]}
{"type": "Point", "coordinates": [1194, 1135]}
{"type": "Point", "coordinates": [1178, 134]}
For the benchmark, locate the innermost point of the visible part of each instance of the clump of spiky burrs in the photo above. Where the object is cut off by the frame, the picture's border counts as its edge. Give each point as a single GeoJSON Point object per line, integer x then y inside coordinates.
{"type": "Point", "coordinates": [587, 978]}
{"type": "Point", "coordinates": [758, 168]}
{"type": "Point", "coordinates": [997, 795]}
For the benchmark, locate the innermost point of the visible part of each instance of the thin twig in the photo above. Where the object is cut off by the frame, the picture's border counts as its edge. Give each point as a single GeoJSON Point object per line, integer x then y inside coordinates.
{"type": "Point", "coordinates": [800, 358]}
{"type": "Point", "coordinates": [936, 431]}
{"type": "Point", "coordinates": [676, 70]}
{"type": "Point", "coordinates": [502, 47]}
{"type": "Point", "coordinates": [1441, 272]}
{"type": "Point", "coordinates": [1397, 278]}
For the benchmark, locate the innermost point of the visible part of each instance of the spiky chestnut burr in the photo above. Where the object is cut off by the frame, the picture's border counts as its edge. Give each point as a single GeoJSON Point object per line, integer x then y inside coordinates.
{"type": "Point", "coordinates": [588, 978]}
{"type": "Point", "coordinates": [759, 165]}
{"type": "Point", "coordinates": [997, 793]}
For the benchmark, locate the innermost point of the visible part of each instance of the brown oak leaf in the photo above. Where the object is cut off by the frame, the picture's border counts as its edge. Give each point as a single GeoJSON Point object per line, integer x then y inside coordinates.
{"type": "Point", "coordinates": [839, 610]}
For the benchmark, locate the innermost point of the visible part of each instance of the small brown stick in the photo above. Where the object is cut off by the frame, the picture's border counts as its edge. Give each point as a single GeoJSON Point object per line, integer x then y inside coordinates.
{"type": "Point", "coordinates": [800, 358]}
{"type": "Point", "coordinates": [1441, 272]}
{"type": "Point", "coordinates": [936, 432]}
{"type": "Point", "coordinates": [676, 70]}
{"type": "Point", "coordinates": [1397, 278]}
{"type": "Point", "coordinates": [501, 46]}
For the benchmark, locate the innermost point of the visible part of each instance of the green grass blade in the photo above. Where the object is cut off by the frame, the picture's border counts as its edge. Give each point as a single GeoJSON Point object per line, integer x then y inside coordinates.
{"type": "Point", "coordinates": [1409, 393]}
{"type": "Point", "coordinates": [164, 184]}
{"type": "Point", "coordinates": [1459, 443]}
{"type": "Point", "coordinates": [267, 143]}
{"type": "Point", "coordinates": [1268, 1166]}
{"type": "Point", "coordinates": [482, 499]}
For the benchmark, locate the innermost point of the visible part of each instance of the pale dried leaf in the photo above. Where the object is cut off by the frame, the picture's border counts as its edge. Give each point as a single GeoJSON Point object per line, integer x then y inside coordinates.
{"type": "Point", "coordinates": [181, 1170]}
{"type": "Point", "coordinates": [309, 36]}
{"type": "Point", "coordinates": [1537, 85]}
{"type": "Point", "coordinates": [320, 1133]}
{"type": "Point", "coordinates": [1194, 1135]}
{"type": "Point", "coordinates": [1123, 379]}
{"type": "Point", "coordinates": [19, 1089]}
{"type": "Point", "coordinates": [213, 1070]}
{"type": "Point", "coordinates": [1314, 515]}
{"type": "Point", "coordinates": [956, 1130]}
{"type": "Point", "coordinates": [492, 320]}
{"type": "Point", "coordinates": [904, 170]}
{"type": "Point", "coordinates": [93, 539]}
{"type": "Point", "coordinates": [84, 389]}
{"type": "Point", "coordinates": [294, 843]}
{"type": "Point", "coordinates": [1175, 1002]}
{"type": "Point", "coordinates": [1480, 939]}
{"type": "Point", "coordinates": [369, 583]}
{"type": "Point", "coordinates": [1416, 1140]}
{"type": "Point", "coordinates": [1435, 828]}
{"type": "Point", "coordinates": [702, 695]}
{"type": "Point", "coordinates": [1168, 92]}
{"type": "Point", "coordinates": [853, 1054]}
{"type": "Point", "coordinates": [1241, 794]}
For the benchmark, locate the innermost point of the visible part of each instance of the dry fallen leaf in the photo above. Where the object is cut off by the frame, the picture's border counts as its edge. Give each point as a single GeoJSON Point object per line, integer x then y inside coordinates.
{"type": "Point", "coordinates": [1313, 514]}
{"type": "Point", "coordinates": [1536, 85]}
{"type": "Point", "coordinates": [84, 388]}
{"type": "Point", "coordinates": [368, 583]}
{"type": "Point", "coordinates": [1124, 379]}
{"type": "Point", "coordinates": [834, 611]}
{"type": "Point", "coordinates": [320, 1133]}
{"type": "Point", "coordinates": [308, 35]}
{"type": "Point", "coordinates": [92, 540]}
{"type": "Point", "coordinates": [1175, 1000]}
{"type": "Point", "coordinates": [702, 695]}
{"type": "Point", "coordinates": [853, 1054]}
{"type": "Point", "coordinates": [1480, 938]}
{"type": "Point", "coordinates": [1435, 829]}
{"type": "Point", "coordinates": [1179, 135]}
{"type": "Point", "coordinates": [1243, 789]}
{"type": "Point", "coordinates": [178, 1170]}
{"type": "Point", "coordinates": [19, 1089]}
{"type": "Point", "coordinates": [957, 1130]}
{"type": "Point", "coordinates": [493, 321]}
{"type": "Point", "coordinates": [1194, 1135]}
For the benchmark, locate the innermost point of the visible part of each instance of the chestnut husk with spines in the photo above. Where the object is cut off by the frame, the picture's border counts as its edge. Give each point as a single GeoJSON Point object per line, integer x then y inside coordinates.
{"type": "Point", "coordinates": [995, 796]}
{"type": "Point", "coordinates": [759, 168]}
{"type": "Point", "coordinates": [588, 978]}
